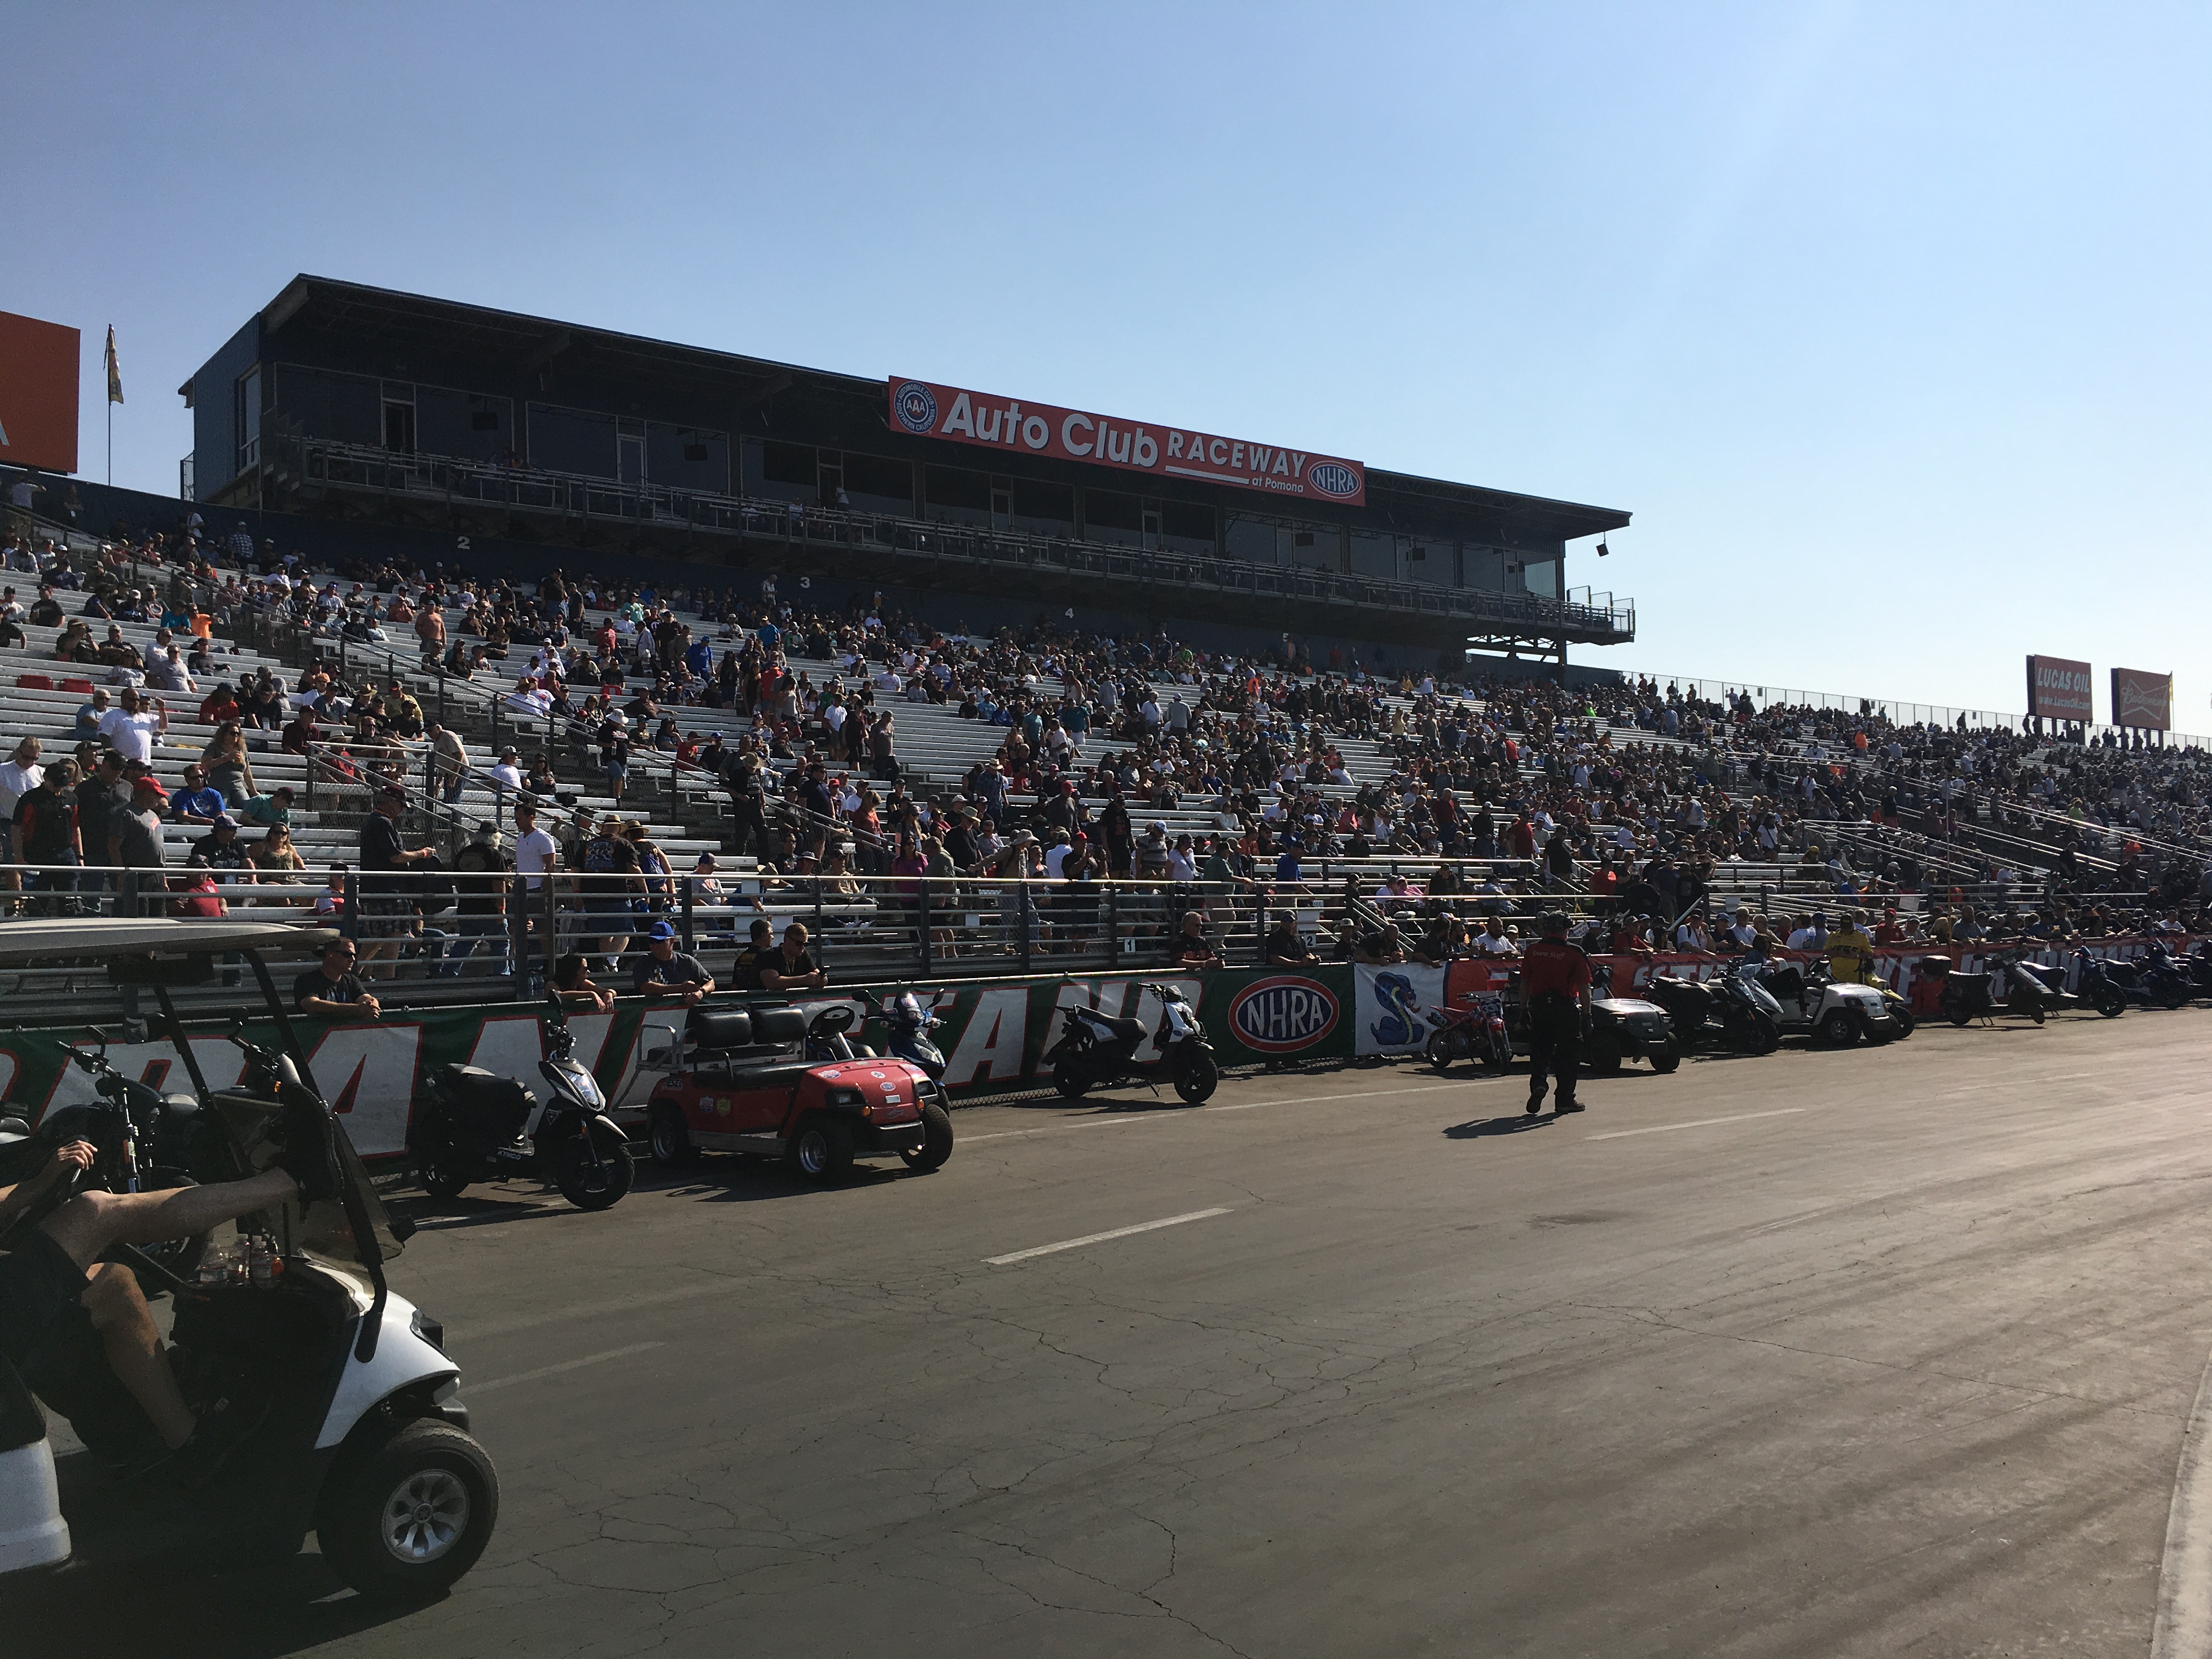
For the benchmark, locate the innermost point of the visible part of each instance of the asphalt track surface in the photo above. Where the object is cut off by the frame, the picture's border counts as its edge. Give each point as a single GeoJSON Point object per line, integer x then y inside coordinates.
{"type": "Point", "coordinates": [1872, 1352]}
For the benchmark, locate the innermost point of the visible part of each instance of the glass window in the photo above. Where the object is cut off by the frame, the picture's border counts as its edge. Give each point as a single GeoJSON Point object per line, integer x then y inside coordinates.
{"type": "Point", "coordinates": [1110, 511]}
{"type": "Point", "coordinates": [572, 441]}
{"type": "Point", "coordinates": [1187, 527]}
{"type": "Point", "coordinates": [788, 464]}
{"type": "Point", "coordinates": [1251, 539]}
{"type": "Point", "coordinates": [888, 484]}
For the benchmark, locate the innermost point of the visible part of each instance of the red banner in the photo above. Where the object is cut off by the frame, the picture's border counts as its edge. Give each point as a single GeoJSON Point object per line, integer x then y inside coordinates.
{"type": "Point", "coordinates": [38, 397]}
{"type": "Point", "coordinates": [929, 410]}
{"type": "Point", "coordinates": [2058, 690]}
{"type": "Point", "coordinates": [2142, 701]}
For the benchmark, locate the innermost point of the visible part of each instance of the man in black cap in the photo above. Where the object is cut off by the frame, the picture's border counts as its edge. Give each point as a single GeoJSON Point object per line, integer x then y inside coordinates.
{"type": "Point", "coordinates": [1555, 983]}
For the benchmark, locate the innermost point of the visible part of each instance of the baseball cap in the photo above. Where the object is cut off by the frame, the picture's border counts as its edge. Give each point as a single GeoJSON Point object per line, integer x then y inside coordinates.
{"type": "Point", "coordinates": [660, 930]}
{"type": "Point", "coordinates": [224, 821]}
{"type": "Point", "coordinates": [149, 785]}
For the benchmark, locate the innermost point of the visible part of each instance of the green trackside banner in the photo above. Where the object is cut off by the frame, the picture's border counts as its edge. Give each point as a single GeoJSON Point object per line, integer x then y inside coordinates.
{"type": "Point", "coordinates": [992, 1036]}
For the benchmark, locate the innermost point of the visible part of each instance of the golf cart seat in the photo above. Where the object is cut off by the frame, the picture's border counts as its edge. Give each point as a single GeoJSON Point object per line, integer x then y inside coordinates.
{"type": "Point", "coordinates": [717, 1030]}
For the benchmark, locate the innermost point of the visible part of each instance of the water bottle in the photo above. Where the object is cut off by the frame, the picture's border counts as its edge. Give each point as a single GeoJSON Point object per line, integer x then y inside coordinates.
{"type": "Point", "coordinates": [258, 1257]}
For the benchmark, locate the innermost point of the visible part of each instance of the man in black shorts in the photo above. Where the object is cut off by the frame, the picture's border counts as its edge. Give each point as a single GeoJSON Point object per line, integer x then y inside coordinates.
{"type": "Point", "coordinates": [57, 1268]}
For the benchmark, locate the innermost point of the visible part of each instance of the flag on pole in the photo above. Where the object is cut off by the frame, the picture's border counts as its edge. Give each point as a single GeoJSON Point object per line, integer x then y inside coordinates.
{"type": "Point", "coordinates": [114, 369]}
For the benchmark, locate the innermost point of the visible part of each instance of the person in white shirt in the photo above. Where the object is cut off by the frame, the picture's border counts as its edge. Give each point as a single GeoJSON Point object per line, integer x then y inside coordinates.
{"type": "Point", "coordinates": [1491, 940]}
{"type": "Point", "coordinates": [536, 853]}
{"type": "Point", "coordinates": [529, 698]}
{"type": "Point", "coordinates": [19, 774]}
{"type": "Point", "coordinates": [130, 729]}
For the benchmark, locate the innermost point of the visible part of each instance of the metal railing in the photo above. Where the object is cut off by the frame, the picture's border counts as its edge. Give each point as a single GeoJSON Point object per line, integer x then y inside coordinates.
{"type": "Point", "coordinates": [533, 489]}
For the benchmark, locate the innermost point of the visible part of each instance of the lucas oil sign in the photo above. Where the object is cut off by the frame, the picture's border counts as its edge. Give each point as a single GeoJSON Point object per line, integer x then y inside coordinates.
{"type": "Point", "coordinates": [929, 410]}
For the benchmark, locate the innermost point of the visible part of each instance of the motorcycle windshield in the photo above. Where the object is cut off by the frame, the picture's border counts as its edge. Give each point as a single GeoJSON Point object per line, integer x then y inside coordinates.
{"type": "Point", "coordinates": [322, 1230]}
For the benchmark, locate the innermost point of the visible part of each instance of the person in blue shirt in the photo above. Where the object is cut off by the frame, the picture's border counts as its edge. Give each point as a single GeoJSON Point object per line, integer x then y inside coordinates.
{"type": "Point", "coordinates": [197, 803]}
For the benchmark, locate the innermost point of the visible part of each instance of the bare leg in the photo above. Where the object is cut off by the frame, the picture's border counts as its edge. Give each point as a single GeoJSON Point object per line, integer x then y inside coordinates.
{"type": "Point", "coordinates": [90, 1222]}
{"type": "Point", "coordinates": [133, 1347]}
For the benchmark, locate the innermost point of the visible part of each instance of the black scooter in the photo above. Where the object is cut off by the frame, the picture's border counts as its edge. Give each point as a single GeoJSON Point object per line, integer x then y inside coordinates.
{"type": "Point", "coordinates": [1098, 1049]}
{"type": "Point", "coordinates": [471, 1125]}
{"type": "Point", "coordinates": [1727, 1012]}
{"type": "Point", "coordinates": [2106, 990]}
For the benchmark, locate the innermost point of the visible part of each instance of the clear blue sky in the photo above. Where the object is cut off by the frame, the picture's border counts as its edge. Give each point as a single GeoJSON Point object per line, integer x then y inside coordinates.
{"type": "Point", "coordinates": [1886, 321]}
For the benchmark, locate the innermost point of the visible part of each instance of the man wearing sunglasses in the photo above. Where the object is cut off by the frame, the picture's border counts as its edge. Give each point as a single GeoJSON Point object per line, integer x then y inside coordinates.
{"type": "Point", "coordinates": [332, 988]}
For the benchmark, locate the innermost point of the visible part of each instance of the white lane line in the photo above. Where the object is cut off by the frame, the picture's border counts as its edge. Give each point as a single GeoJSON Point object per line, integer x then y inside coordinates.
{"type": "Point", "coordinates": [1695, 1123]}
{"type": "Point", "coordinates": [470, 1390]}
{"type": "Point", "coordinates": [2183, 1628]}
{"type": "Point", "coordinates": [1100, 1238]}
{"type": "Point", "coordinates": [1172, 1116]}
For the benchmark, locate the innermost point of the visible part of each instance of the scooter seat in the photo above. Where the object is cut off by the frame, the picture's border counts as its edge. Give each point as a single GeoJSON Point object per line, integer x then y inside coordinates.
{"type": "Point", "coordinates": [1967, 981]}
{"type": "Point", "coordinates": [1122, 1026]}
{"type": "Point", "coordinates": [474, 1082]}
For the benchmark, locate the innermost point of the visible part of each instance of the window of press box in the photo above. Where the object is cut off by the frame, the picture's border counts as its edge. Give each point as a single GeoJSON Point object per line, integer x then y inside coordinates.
{"type": "Point", "coordinates": [1106, 509]}
{"type": "Point", "coordinates": [1183, 521]}
{"type": "Point", "coordinates": [952, 486]}
{"type": "Point", "coordinates": [874, 475]}
{"type": "Point", "coordinates": [1054, 503]}
{"type": "Point", "coordinates": [788, 464]}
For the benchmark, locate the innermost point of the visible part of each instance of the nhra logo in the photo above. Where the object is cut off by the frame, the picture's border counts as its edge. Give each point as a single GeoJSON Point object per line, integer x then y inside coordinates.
{"type": "Point", "coordinates": [1332, 478]}
{"type": "Point", "coordinates": [915, 405]}
{"type": "Point", "coordinates": [1284, 1015]}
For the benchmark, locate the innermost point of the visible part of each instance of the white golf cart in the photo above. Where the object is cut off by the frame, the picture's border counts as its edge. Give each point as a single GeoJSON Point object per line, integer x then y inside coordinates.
{"type": "Point", "coordinates": [361, 1435]}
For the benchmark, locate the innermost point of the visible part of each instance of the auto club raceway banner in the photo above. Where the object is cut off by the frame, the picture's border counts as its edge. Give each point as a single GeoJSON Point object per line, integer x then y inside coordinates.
{"type": "Point", "coordinates": [994, 1034]}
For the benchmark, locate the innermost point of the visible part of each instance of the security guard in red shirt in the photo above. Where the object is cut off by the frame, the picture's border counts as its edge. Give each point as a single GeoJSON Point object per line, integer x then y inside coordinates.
{"type": "Point", "coordinates": [1555, 983]}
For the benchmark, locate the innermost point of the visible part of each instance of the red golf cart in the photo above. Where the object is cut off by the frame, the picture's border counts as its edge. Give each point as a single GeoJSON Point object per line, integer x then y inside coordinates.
{"type": "Point", "coordinates": [744, 1084]}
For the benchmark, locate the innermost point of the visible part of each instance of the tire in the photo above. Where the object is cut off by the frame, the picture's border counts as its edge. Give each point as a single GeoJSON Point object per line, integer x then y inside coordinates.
{"type": "Point", "coordinates": [181, 1257]}
{"type": "Point", "coordinates": [1196, 1077]}
{"type": "Point", "coordinates": [1668, 1060]}
{"type": "Point", "coordinates": [1906, 1024]}
{"type": "Point", "coordinates": [2035, 1012]}
{"type": "Point", "coordinates": [2111, 1002]}
{"type": "Point", "coordinates": [589, 1184]}
{"type": "Point", "coordinates": [444, 1177]}
{"type": "Point", "coordinates": [1960, 1017]}
{"type": "Point", "coordinates": [1604, 1058]}
{"type": "Point", "coordinates": [821, 1151]}
{"type": "Point", "coordinates": [1438, 1053]}
{"type": "Point", "coordinates": [936, 1141]}
{"type": "Point", "coordinates": [2173, 999]}
{"type": "Point", "coordinates": [670, 1140]}
{"type": "Point", "coordinates": [1766, 1036]}
{"type": "Point", "coordinates": [400, 1519]}
{"type": "Point", "coordinates": [1068, 1076]}
{"type": "Point", "coordinates": [1838, 1028]}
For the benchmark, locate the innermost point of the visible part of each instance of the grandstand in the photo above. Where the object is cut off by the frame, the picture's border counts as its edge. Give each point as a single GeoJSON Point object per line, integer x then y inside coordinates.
{"type": "Point", "coordinates": [1636, 805]}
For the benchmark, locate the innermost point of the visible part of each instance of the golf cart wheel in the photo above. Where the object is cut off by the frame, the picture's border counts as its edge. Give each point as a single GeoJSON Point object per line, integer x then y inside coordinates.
{"type": "Point", "coordinates": [2111, 1002]}
{"type": "Point", "coordinates": [1766, 1036]}
{"type": "Point", "coordinates": [401, 1518]}
{"type": "Point", "coordinates": [591, 1183]}
{"type": "Point", "coordinates": [1838, 1029]}
{"type": "Point", "coordinates": [1604, 1058]}
{"type": "Point", "coordinates": [821, 1151]}
{"type": "Point", "coordinates": [936, 1141]}
{"type": "Point", "coordinates": [1067, 1077]}
{"type": "Point", "coordinates": [179, 1255]}
{"type": "Point", "coordinates": [1666, 1061]}
{"type": "Point", "coordinates": [670, 1140]}
{"type": "Point", "coordinates": [1438, 1051]}
{"type": "Point", "coordinates": [444, 1178]}
{"type": "Point", "coordinates": [1196, 1077]}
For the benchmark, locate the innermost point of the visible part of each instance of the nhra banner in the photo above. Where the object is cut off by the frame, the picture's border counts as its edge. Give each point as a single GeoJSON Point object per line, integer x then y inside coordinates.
{"type": "Point", "coordinates": [929, 410]}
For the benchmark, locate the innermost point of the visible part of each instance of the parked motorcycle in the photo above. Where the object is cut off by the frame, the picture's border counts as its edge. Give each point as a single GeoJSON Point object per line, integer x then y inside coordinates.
{"type": "Point", "coordinates": [2109, 984]}
{"type": "Point", "coordinates": [2026, 981]}
{"type": "Point", "coordinates": [908, 1024]}
{"type": "Point", "coordinates": [1474, 1030]}
{"type": "Point", "coordinates": [1733, 1011]}
{"type": "Point", "coordinates": [471, 1125]}
{"type": "Point", "coordinates": [143, 1140]}
{"type": "Point", "coordinates": [2168, 982]}
{"type": "Point", "coordinates": [1098, 1049]}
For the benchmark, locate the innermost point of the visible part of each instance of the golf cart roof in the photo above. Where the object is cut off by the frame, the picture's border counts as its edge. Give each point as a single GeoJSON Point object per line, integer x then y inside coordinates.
{"type": "Point", "coordinates": [28, 944]}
